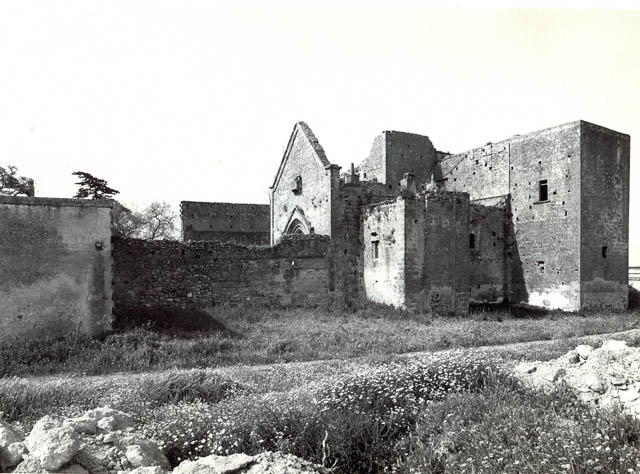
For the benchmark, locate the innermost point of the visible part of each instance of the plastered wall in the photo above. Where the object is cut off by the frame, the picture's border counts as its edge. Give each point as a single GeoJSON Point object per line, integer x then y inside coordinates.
{"type": "Point", "coordinates": [55, 266]}
{"type": "Point", "coordinates": [384, 269]}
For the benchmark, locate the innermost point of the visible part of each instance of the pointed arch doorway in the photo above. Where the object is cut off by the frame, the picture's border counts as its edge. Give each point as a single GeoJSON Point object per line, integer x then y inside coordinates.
{"type": "Point", "coordinates": [298, 223]}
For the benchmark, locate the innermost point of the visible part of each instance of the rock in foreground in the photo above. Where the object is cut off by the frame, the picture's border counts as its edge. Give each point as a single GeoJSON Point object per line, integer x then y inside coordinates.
{"type": "Point", "coordinates": [608, 376]}
{"type": "Point", "coordinates": [263, 463]}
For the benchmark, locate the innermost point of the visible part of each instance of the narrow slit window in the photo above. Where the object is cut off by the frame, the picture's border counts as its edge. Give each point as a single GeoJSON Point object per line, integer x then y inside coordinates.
{"type": "Point", "coordinates": [543, 187]}
{"type": "Point", "coordinates": [472, 241]}
{"type": "Point", "coordinates": [604, 251]}
{"type": "Point", "coordinates": [376, 249]}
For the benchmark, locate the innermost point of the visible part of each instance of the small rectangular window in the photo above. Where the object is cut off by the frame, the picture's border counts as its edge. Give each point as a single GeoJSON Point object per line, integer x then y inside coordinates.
{"type": "Point", "coordinates": [376, 245]}
{"type": "Point", "coordinates": [540, 265]}
{"type": "Point", "coordinates": [543, 188]}
{"type": "Point", "coordinates": [472, 241]}
{"type": "Point", "coordinates": [604, 251]}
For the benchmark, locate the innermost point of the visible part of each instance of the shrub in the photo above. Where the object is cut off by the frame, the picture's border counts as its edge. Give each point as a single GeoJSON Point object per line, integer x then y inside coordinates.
{"type": "Point", "coordinates": [507, 428]}
{"type": "Point", "coordinates": [353, 421]}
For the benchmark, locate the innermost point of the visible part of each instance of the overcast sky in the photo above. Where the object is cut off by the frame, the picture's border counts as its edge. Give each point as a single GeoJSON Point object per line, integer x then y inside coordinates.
{"type": "Point", "coordinates": [187, 100]}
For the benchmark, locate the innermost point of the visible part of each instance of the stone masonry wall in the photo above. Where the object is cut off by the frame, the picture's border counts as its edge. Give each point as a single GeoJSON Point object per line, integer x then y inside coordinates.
{"type": "Point", "coordinates": [226, 222]}
{"type": "Point", "coordinates": [547, 231]}
{"type": "Point", "coordinates": [447, 261]}
{"type": "Point", "coordinates": [482, 172]}
{"type": "Point", "coordinates": [604, 243]}
{"type": "Point", "coordinates": [55, 266]}
{"type": "Point", "coordinates": [487, 253]}
{"type": "Point", "coordinates": [203, 274]}
{"type": "Point", "coordinates": [346, 242]}
{"type": "Point", "coordinates": [415, 256]}
{"type": "Point", "coordinates": [543, 236]}
{"type": "Point", "coordinates": [395, 153]}
{"type": "Point", "coordinates": [409, 153]}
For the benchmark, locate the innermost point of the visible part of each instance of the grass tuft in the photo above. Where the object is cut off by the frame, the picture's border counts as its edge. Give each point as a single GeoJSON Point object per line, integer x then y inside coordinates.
{"type": "Point", "coordinates": [188, 386]}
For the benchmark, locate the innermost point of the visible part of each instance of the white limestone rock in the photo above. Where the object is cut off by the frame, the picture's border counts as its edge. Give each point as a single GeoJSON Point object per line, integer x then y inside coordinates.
{"type": "Point", "coordinates": [215, 464]}
{"type": "Point", "coordinates": [52, 443]}
{"type": "Point", "coordinates": [264, 463]}
{"type": "Point", "coordinates": [108, 419]}
{"type": "Point", "coordinates": [146, 455]}
{"type": "Point", "coordinates": [32, 465]}
{"type": "Point", "coordinates": [12, 455]}
{"type": "Point", "coordinates": [584, 350]}
{"type": "Point", "coordinates": [9, 434]}
{"type": "Point", "coordinates": [147, 470]}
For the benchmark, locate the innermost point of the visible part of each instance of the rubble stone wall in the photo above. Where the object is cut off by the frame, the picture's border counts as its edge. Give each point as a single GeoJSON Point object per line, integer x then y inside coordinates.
{"type": "Point", "coordinates": [202, 274]}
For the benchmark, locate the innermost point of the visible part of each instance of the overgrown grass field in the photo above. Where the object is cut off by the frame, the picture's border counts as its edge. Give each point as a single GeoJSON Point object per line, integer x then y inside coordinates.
{"type": "Point", "coordinates": [347, 400]}
{"type": "Point", "coordinates": [251, 336]}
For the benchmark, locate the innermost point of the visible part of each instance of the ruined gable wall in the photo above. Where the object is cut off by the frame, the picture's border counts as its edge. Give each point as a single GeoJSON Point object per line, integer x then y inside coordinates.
{"type": "Point", "coordinates": [203, 274]}
{"type": "Point", "coordinates": [604, 217]}
{"type": "Point", "coordinates": [374, 167]}
{"type": "Point", "coordinates": [316, 195]}
{"type": "Point", "coordinates": [446, 263]}
{"type": "Point", "coordinates": [409, 153]}
{"type": "Point", "coordinates": [395, 153]}
{"type": "Point", "coordinates": [226, 222]}
{"type": "Point", "coordinates": [55, 266]}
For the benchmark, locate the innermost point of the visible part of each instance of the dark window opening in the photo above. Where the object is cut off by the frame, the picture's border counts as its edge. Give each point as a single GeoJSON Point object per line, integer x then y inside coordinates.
{"type": "Point", "coordinates": [376, 245]}
{"type": "Point", "coordinates": [472, 241]}
{"type": "Point", "coordinates": [540, 264]}
{"type": "Point", "coordinates": [604, 251]}
{"type": "Point", "coordinates": [543, 187]}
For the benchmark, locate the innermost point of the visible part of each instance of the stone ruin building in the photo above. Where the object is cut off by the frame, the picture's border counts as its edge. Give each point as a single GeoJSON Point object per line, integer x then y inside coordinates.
{"type": "Point", "coordinates": [540, 219]}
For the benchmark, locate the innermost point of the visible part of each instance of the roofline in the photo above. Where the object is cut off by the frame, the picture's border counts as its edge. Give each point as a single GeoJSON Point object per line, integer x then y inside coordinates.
{"type": "Point", "coordinates": [313, 141]}
{"type": "Point", "coordinates": [60, 202]}
{"type": "Point", "coordinates": [575, 123]}
{"type": "Point", "coordinates": [226, 203]}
